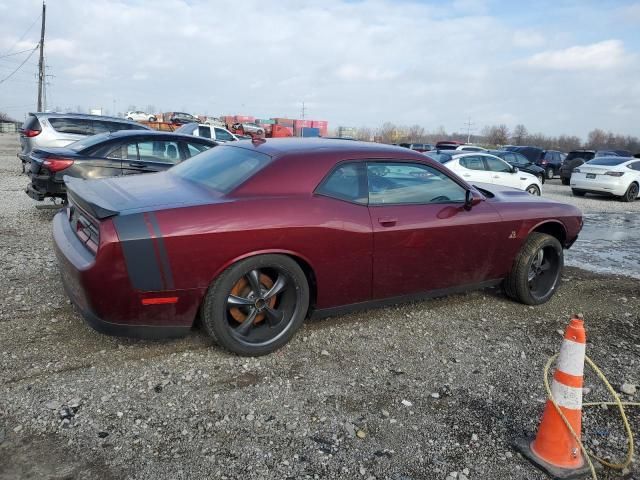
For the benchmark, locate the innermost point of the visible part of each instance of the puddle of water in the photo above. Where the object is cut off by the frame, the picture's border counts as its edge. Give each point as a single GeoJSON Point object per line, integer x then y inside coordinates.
{"type": "Point", "coordinates": [608, 243]}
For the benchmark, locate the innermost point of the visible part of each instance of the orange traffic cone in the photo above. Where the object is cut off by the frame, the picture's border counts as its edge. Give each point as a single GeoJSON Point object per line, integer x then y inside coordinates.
{"type": "Point", "coordinates": [554, 449]}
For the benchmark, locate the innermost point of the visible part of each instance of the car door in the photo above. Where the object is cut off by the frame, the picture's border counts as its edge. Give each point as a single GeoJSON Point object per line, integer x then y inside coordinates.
{"type": "Point", "coordinates": [221, 135]}
{"type": "Point", "coordinates": [473, 169]}
{"type": "Point", "coordinates": [423, 237]}
{"type": "Point", "coordinates": [148, 155]}
{"type": "Point", "coordinates": [501, 172]}
{"type": "Point", "coordinates": [104, 160]}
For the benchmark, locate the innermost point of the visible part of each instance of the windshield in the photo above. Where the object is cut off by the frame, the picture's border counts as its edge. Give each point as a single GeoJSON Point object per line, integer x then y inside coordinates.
{"type": "Point", "coordinates": [583, 155]}
{"type": "Point", "coordinates": [222, 168]}
{"type": "Point", "coordinates": [439, 156]}
{"type": "Point", "coordinates": [89, 142]}
{"type": "Point", "coordinates": [608, 161]}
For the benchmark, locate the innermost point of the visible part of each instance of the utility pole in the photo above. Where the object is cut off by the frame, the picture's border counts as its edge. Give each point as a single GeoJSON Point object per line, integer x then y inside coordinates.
{"type": "Point", "coordinates": [303, 111]}
{"type": "Point", "coordinates": [41, 74]}
{"type": "Point", "coordinates": [468, 124]}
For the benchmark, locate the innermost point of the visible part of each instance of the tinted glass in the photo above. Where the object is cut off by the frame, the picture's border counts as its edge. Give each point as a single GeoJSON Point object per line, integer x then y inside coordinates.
{"type": "Point", "coordinates": [222, 168]}
{"type": "Point", "coordinates": [406, 183]}
{"type": "Point", "coordinates": [497, 165]}
{"type": "Point", "coordinates": [583, 155]}
{"type": "Point", "coordinates": [196, 148]}
{"type": "Point", "coordinates": [74, 126]}
{"type": "Point", "coordinates": [159, 151]}
{"type": "Point", "coordinates": [521, 159]}
{"type": "Point", "coordinates": [132, 151]}
{"type": "Point", "coordinates": [440, 156]}
{"type": "Point", "coordinates": [635, 166]}
{"type": "Point", "coordinates": [472, 162]}
{"type": "Point", "coordinates": [346, 183]}
{"type": "Point", "coordinates": [223, 135]}
{"type": "Point", "coordinates": [204, 131]}
{"type": "Point", "coordinates": [608, 161]}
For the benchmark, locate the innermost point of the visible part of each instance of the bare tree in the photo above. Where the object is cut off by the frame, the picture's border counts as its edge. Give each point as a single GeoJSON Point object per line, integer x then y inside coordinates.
{"type": "Point", "coordinates": [4, 117]}
{"type": "Point", "coordinates": [496, 134]}
{"type": "Point", "coordinates": [388, 133]}
{"type": "Point", "coordinates": [597, 138]}
{"type": "Point", "coordinates": [519, 134]}
{"type": "Point", "coordinates": [415, 134]}
{"type": "Point", "coordinates": [364, 133]}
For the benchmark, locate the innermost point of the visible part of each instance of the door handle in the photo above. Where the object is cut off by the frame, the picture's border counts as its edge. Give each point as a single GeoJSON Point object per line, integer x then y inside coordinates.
{"type": "Point", "coordinates": [137, 165]}
{"type": "Point", "coordinates": [387, 221]}
{"type": "Point", "coordinates": [496, 176]}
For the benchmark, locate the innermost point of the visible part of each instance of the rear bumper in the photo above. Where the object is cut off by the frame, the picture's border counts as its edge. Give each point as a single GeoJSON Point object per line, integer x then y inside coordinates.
{"type": "Point", "coordinates": [609, 185]}
{"type": "Point", "coordinates": [77, 266]}
{"type": "Point", "coordinates": [43, 186]}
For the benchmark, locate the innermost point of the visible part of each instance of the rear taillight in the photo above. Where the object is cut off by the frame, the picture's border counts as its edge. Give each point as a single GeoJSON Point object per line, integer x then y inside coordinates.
{"type": "Point", "coordinates": [31, 133]}
{"type": "Point", "coordinates": [544, 162]}
{"type": "Point", "coordinates": [56, 164]}
{"type": "Point", "coordinates": [86, 230]}
{"type": "Point", "coordinates": [614, 174]}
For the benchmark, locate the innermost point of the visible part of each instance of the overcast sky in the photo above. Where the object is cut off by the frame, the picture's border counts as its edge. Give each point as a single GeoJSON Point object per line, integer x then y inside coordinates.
{"type": "Point", "coordinates": [556, 66]}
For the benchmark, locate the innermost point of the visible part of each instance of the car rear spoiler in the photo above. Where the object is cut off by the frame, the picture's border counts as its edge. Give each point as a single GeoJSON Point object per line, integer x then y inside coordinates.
{"type": "Point", "coordinates": [84, 196]}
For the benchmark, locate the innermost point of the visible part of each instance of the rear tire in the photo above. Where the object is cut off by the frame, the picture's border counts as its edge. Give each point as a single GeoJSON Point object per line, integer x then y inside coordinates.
{"type": "Point", "coordinates": [153, 119]}
{"type": "Point", "coordinates": [631, 194]}
{"type": "Point", "coordinates": [272, 319]}
{"type": "Point", "coordinates": [533, 190]}
{"type": "Point", "coordinates": [578, 193]}
{"type": "Point", "coordinates": [550, 173]}
{"type": "Point", "coordinates": [566, 181]}
{"type": "Point", "coordinates": [536, 270]}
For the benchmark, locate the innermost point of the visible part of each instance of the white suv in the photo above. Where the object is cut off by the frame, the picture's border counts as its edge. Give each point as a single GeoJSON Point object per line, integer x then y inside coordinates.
{"type": "Point", "coordinates": [139, 116]}
{"type": "Point", "coordinates": [206, 130]}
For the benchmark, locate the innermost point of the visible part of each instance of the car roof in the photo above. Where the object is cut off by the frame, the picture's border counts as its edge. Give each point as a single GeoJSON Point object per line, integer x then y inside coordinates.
{"type": "Point", "coordinates": [84, 116]}
{"type": "Point", "coordinates": [276, 147]}
{"type": "Point", "coordinates": [154, 133]}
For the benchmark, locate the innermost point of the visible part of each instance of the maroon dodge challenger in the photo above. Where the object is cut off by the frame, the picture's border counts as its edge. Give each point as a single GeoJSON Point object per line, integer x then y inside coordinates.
{"type": "Point", "coordinates": [255, 236]}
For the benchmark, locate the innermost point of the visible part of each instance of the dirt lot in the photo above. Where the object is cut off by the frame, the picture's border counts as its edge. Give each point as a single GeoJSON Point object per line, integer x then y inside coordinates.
{"type": "Point", "coordinates": [416, 391]}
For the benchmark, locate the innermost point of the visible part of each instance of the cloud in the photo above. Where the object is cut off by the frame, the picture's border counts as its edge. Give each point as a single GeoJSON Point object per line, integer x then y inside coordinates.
{"type": "Point", "coordinates": [352, 72]}
{"type": "Point", "coordinates": [599, 56]}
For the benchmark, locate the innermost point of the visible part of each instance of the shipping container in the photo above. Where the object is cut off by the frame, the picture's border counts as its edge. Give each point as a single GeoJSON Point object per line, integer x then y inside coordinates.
{"type": "Point", "coordinates": [286, 122]}
{"type": "Point", "coordinates": [308, 132]}
{"type": "Point", "coordinates": [321, 125]}
{"type": "Point", "coordinates": [279, 131]}
{"type": "Point", "coordinates": [265, 121]}
{"type": "Point", "coordinates": [244, 119]}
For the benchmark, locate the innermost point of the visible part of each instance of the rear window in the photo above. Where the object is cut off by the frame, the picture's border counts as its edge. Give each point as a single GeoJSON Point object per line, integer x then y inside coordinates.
{"type": "Point", "coordinates": [222, 168]}
{"type": "Point", "coordinates": [583, 155]}
{"type": "Point", "coordinates": [76, 126]}
{"type": "Point", "coordinates": [609, 161]}
{"type": "Point", "coordinates": [439, 157]}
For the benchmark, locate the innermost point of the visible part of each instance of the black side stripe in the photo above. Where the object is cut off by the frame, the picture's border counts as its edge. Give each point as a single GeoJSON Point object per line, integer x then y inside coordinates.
{"type": "Point", "coordinates": [139, 253]}
{"type": "Point", "coordinates": [164, 258]}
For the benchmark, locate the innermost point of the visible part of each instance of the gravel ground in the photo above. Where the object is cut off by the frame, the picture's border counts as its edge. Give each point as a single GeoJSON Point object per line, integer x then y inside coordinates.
{"type": "Point", "coordinates": [417, 391]}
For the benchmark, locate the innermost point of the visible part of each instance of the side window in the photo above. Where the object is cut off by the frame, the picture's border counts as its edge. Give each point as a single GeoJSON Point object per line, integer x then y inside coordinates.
{"type": "Point", "coordinates": [346, 182]}
{"type": "Point", "coordinates": [472, 162]}
{"type": "Point", "coordinates": [196, 148]}
{"type": "Point", "coordinates": [132, 151]}
{"type": "Point", "coordinates": [75, 126]}
{"type": "Point", "coordinates": [497, 165]}
{"type": "Point", "coordinates": [509, 157]}
{"type": "Point", "coordinates": [223, 135]}
{"type": "Point", "coordinates": [521, 159]}
{"type": "Point", "coordinates": [115, 152]}
{"type": "Point", "coordinates": [410, 183]}
{"type": "Point", "coordinates": [204, 131]}
{"type": "Point", "coordinates": [634, 166]}
{"type": "Point", "coordinates": [159, 151]}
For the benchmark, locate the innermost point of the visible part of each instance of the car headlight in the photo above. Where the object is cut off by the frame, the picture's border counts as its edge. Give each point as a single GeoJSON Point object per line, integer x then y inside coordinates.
{"type": "Point", "coordinates": [614, 174]}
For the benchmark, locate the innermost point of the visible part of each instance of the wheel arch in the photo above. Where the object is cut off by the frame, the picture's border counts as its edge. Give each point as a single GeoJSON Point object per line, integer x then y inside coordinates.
{"type": "Point", "coordinates": [554, 228]}
{"type": "Point", "coordinates": [303, 262]}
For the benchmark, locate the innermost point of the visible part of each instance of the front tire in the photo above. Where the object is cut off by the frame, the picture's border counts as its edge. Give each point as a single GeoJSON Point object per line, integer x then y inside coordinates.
{"type": "Point", "coordinates": [535, 273]}
{"type": "Point", "coordinates": [256, 305]}
{"type": "Point", "coordinates": [631, 194]}
{"type": "Point", "coordinates": [533, 190]}
{"type": "Point", "coordinates": [550, 173]}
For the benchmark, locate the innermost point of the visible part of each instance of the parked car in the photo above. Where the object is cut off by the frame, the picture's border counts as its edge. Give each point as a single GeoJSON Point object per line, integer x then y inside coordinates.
{"type": "Point", "coordinates": [482, 167]}
{"type": "Point", "coordinates": [108, 155]}
{"type": "Point", "coordinates": [614, 176]}
{"type": "Point", "coordinates": [257, 236]}
{"type": "Point", "coordinates": [44, 130]}
{"type": "Point", "coordinates": [550, 160]}
{"type": "Point", "coordinates": [516, 159]}
{"type": "Point", "coordinates": [418, 147]}
{"type": "Point", "coordinates": [248, 128]}
{"type": "Point", "coordinates": [139, 116]}
{"type": "Point", "coordinates": [179, 118]}
{"type": "Point", "coordinates": [453, 145]}
{"type": "Point", "coordinates": [206, 130]}
{"type": "Point", "coordinates": [579, 157]}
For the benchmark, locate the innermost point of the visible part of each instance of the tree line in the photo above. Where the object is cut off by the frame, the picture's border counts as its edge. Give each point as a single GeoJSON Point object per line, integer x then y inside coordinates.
{"type": "Point", "coordinates": [500, 135]}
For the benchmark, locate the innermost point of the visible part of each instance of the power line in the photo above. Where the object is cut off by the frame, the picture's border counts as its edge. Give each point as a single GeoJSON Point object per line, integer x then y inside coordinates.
{"type": "Point", "coordinates": [23, 35]}
{"type": "Point", "coordinates": [19, 66]}
{"type": "Point", "coordinates": [15, 53]}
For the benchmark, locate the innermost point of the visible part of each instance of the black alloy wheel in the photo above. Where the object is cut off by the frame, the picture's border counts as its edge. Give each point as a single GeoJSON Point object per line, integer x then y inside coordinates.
{"type": "Point", "coordinates": [536, 270]}
{"type": "Point", "coordinates": [256, 305]}
{"type": "Point", "coordinates": [631, 193]}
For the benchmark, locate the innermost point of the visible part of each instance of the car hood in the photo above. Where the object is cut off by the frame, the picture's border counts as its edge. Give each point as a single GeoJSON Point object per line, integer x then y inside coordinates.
{"type": "Point", "coordinates": [107, 197]}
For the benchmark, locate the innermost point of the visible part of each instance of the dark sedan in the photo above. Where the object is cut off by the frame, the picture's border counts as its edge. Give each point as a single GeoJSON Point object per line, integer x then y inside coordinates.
{"type": "Point", "coordinates": [114, 154]}
{"type": "Point", "coordinates": [253, 237]}
{"type": "Point", "coordinates": [518, 160]}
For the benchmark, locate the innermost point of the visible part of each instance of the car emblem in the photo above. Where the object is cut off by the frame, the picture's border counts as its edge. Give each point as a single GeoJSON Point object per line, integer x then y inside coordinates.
{"type": "Point", "coordinates": [513, 234]}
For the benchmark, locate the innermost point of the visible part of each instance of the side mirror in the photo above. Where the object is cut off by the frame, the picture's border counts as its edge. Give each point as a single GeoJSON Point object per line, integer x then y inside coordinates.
{"type": "Point", "coordinates": [468, 200]}
{"type": "Point", "coordinates": [514, 170]}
